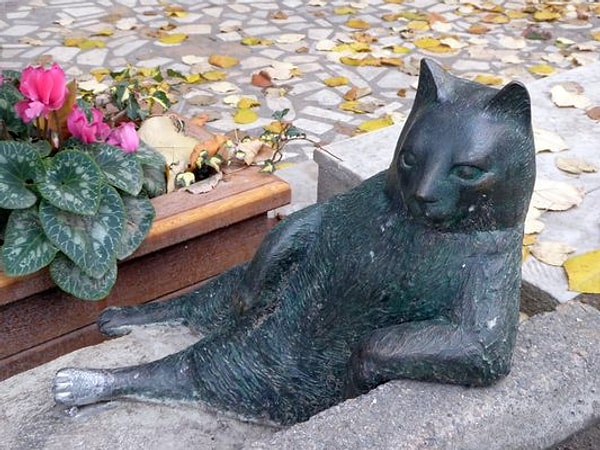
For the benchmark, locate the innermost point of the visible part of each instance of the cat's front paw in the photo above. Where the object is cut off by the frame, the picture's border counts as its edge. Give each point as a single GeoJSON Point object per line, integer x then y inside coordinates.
{"type": "Point", "coordinates": [114, 322]}
{"type": "Point", "coordinates": [78, 387]}
{"type": "Point", "coordinates": [360, 374]}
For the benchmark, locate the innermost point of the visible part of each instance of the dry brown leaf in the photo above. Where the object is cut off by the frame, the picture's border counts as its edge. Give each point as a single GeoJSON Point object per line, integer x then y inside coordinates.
{"type": "Point", "coordinates": [261, 79]}
{"type": "Point", "coordinates": [355, 93]}
{"type": "Point", "coordinates": [223, 61]}
{"type": "Point", "coordinates": [211, 146]}
{"type": "Point", "coordinates": [593, 113]}
{"type": "Point", "coordinates": [575, 166]}
{"type": "Point", "coordinates": [552, 253]}
{"type": "Point", "coordinates": [551, 195]}
{"type": "Point", "coordinates": [564, 98]}
{"type": "Point", "coordinates": [547, 141]}
{"type": "Point", "coordinates": [478, 29]}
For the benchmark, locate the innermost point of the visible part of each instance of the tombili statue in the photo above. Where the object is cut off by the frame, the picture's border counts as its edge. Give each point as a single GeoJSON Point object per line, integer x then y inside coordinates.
{"type": "Point", "coordinates": [414, 274]}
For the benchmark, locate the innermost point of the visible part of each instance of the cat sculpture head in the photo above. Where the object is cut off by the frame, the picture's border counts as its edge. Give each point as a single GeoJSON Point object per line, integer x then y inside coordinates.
{"type": "Point", "coordinates": [465, 159]}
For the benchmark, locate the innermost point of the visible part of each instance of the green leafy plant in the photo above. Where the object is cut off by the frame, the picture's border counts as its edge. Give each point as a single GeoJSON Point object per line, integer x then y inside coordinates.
{"type": "Point", "coordinates": [74, 191]}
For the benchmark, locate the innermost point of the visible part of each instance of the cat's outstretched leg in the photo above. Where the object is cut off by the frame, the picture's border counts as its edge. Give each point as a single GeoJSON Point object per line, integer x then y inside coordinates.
{"type": "Point", "coordinates": [208, 307]}
{"type": "Point", "coordinates": [169, 377]}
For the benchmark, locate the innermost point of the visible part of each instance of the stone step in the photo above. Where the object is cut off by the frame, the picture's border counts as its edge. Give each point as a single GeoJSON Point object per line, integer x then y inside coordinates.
{"type": "Point", "coordinates": [552, 392]}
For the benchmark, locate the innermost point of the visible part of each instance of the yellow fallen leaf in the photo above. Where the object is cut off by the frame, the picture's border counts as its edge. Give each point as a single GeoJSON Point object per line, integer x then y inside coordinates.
{"type": "Point", "coordinates": [344, 10]}
{"type": "Point", "coordinates": [495, 19]}
{"type": "Point", "coordinates": [375, 124]}
{"type": "Point", "coordinates": [424, 43]}
{"type": "Point", "coordinates": [529, 239]}
{"type": "Point", "coordinates": [247, 102]}
{"type": "Point", "coordinates": [393, 62]}
{"type": "Point", "coordinates": [104, 32]}
{"type": "Point", "coordinates": [250, 40]}
{"type": "Point", "coordinates": [353, 106]}
{"type": "Point", "coordinates": [336, 81]}
{"type": "Point", "coordinates": [400, 49]}
{"type": "Point", "coordinates": [418, 25]}
{"type": "Point", "coordinates": [360, 47]}
{"type": "Point", "coordinates": [223, 61]}
{"type": "Point", "coordinates": [172, 39]}
{"type": "Point", "coordinates": [394, 2]}
{"type": "Point", "coordinates": [596, 35]}
{"type": "Point", "coordinates": [514, 14]}
{"type": "Point", "coordinates": [194, 78]}
{"type": "Point", "coordinates": [244, 116]}
{"type": "Point", "coordinates": [99, 74]}
{"type": "Point", "coordinates": [276, 127]}
{"type": "Point", "coordinates": [545, 16]}
{"type": "Point", "coordinates": [84, 44]}
{"type": "Point", "coordinates": [440, 49]}
{"type": "Point", "coordinates": [489, 80]}
{"type": "Point", "coordinates": [354, 62]}
{"type": "Point", "coordinates": [583, 272]}
{"type": "Point", "coordinates": [358, 24]}
{"type": "Point", "coordinates": [175, 11]}
{"type": "Point", "coordinates": [541, 69]}
{"type": "Point", "coordinates": [214, 75]}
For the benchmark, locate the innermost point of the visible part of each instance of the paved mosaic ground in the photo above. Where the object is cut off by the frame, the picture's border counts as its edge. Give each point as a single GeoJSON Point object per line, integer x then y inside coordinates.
{"type": "Point", "coordinates": [373, 45]}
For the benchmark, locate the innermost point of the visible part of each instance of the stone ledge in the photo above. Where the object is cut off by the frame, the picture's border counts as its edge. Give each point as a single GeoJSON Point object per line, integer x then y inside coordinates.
{"type": "Point", "coordinates": [552, 392]}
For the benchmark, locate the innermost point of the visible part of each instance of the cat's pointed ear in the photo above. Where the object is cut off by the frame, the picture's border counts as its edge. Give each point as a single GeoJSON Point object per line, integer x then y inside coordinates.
{"type": "Point", "coordinates": [432, 83]}
{"type": "Point", "coordinates": [512, 100]}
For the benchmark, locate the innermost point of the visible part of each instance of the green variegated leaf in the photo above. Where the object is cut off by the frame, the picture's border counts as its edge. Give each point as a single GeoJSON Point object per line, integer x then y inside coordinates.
{"type": "Point", "coordinates": [90, 242]}
{"type": "Point", "coordinates": [26, 248]}
{"type": "Point", "coordinates": [20, 165]}
{"type": "Point", "coordinates": [140, 213]}
{"type": "Point", "coordinates": [122, 170]}
{"type": "Point", "coordinates": [155, 181]}
{"type": "Point", "coordinates": [153, 165]}
{"type": "Point", "coordinates": [72, 182]}
{"type": "Point", "coordinates": [73, 280]}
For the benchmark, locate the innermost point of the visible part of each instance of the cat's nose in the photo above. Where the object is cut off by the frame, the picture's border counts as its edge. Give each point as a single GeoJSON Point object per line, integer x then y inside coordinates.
{"type": "Point", "coordinates": [425, 191]}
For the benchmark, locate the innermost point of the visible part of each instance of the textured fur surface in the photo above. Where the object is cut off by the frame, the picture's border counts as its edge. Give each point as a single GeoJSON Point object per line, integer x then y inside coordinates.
{"type": "Point", "coordinates": [415, 273]}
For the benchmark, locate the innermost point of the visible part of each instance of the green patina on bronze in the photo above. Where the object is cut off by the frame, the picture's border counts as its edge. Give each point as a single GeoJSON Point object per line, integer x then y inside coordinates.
{"type": "Point", "coordinates": [413, 274]}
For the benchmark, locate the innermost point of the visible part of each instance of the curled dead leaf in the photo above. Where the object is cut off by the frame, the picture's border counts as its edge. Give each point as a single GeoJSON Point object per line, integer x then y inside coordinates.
{"type": "Point", "coordinates": [564, 98]}
{"type": "Point", "coordinates": [547, 141]}
{"type": "Point", "coordinates": [550, 252]}
{"type": "Point", "coordinates": [551, 195]}
{"type": "Point", "coordinates": [575, 166]}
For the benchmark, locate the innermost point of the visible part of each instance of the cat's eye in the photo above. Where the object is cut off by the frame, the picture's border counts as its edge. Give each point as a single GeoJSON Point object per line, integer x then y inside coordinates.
{"type": "Point", "coordinates": [468, 173]}
{"type": "Point", "coordinates": [408, 159]}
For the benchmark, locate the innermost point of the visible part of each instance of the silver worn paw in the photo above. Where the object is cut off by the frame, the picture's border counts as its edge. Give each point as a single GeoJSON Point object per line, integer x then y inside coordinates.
{"type": "Point", "coordinates": [78, 387]}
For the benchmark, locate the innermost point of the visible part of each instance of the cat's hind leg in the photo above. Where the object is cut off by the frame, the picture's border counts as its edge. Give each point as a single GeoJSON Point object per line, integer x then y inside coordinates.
{"type": "Point", "coordinates": [168, 378]}
{"type": "Point", "coordinates": [208, 307]}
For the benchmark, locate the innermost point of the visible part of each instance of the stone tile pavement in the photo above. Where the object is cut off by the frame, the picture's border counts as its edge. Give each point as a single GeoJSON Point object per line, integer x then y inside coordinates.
{"type": "Point", "coordinates": [472, 38]}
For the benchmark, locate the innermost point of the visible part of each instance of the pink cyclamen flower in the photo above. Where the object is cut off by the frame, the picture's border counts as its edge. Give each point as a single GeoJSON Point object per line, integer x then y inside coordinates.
{"type": "Point", "coordinates": [79, 127]}
{"type": "Point", "coordinates": [1, 79]}
{"type": "Point", "coordinates": [124, 136]}
{"type": "Point", "coordinates": [45, 90]}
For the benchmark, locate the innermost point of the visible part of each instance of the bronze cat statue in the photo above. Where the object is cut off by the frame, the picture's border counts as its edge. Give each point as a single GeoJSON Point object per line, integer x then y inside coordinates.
{"type": "Point", "coordinates": [414, 274]}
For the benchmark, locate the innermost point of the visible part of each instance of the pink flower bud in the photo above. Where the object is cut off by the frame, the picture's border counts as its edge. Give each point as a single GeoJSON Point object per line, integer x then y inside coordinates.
{"type": "Point", "coordinates": [45, 90]}
{"type": "Point", "coordinates": [125, 136]}
{"type": "Point", "coordinates": [79, 127]}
